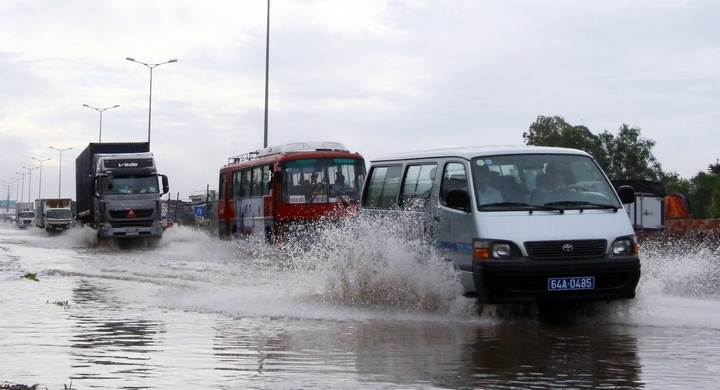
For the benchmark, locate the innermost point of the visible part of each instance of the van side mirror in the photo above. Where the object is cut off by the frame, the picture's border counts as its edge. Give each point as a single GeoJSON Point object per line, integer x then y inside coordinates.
{"type": "Point", "coordinates": [458, 199]}
{"type": "Point", "coordinates": [165, 185]}
{"type": "Point", "coordinates": [626, 194]}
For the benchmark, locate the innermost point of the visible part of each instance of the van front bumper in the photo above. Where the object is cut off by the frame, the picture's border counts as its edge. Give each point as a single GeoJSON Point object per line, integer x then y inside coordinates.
{"type": "Point", "coordinates": [507, 282]}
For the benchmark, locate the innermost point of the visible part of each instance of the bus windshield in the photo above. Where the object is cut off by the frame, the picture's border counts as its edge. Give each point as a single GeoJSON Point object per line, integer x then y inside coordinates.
{"type": "Point", "coordinates": [323, 180]}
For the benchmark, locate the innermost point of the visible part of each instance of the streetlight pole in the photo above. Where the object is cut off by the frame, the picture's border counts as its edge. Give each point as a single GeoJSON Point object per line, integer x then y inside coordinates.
{"type": "Point", "coordinates": [151, 67]}
{"type": "Point", "coordinates": [60, 176]}
{"type": "Point", "coordinates": [22, 188]}
{"type": "Point", "coordinates": [40, 186]}
{"type": "Point", "coordinates": [8, 185]}
{"type": "Point", "coordinates": [30, 180]}
{"type": "Point", "coordinates": [100, 110]}
{"type": "Point", "coordinates": [17, 188]}
{"type": "Point", "coordinates": [267, 71]}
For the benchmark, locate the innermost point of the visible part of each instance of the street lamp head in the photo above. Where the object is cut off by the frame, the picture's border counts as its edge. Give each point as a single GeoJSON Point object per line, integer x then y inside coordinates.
{"type": "Point", "coordinates": [85, 105]}
{"type": "Point", "coordinates": [130, 59]}
{"type": "Point", "coordinates": [116, 106]}
{"type": "Point", "coordinates": [59, 150]}
{"type": "Point", "coordinates": [173, 60]}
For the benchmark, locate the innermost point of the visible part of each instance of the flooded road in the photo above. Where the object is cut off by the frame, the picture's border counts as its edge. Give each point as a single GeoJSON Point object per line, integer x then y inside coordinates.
{"type": "Point", "coordinates": [349, 310]}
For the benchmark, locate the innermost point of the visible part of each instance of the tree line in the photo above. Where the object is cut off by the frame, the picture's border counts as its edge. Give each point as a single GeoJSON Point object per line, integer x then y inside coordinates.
{"type": "Point", "coordinates": [628, 156]}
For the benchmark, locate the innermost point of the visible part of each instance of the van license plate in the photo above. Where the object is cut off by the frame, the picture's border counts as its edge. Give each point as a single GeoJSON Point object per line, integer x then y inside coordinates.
{"type": "Point", "coordinates": [560, 284]}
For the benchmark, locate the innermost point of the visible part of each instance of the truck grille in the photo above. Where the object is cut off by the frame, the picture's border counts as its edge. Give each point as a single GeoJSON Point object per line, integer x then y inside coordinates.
{"type": "Point", "coordinates": [123, 214]}
{"type": "Point", "coordinates": [571, 249]}
{"type": "Point", "coordinates": [131, 223]}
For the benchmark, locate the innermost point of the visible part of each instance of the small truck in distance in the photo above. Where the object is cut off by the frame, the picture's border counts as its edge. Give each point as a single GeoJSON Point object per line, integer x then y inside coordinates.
{"type": "Point", "coordinates": [24, 214]}
{"type": "Point", "coordinates": [54, 215]}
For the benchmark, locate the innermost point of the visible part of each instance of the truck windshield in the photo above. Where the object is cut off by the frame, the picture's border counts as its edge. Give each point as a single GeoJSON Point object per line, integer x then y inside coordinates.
{"type": "Point", "coordinates": [130, 185]}
{"type": "Point", "coordinates": [527, 181]}
{"type": "Point", "coordinates": [26, 214]}
{"type": "Point", "coordinates": [59, 214]}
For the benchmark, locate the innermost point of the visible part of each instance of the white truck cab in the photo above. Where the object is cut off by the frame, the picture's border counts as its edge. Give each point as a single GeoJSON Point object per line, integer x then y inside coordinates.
{"type": "Point", "coordinates": [520, 224]}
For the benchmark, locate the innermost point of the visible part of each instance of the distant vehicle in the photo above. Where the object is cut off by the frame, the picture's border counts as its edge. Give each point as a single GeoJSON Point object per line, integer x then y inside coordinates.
{"type": "Point", "coordinates": [520, 224]}
{"type": "Point", "coordinates": [276, 190]}
{"type": "Point", "coordinates": [647, 213]}
{"type": "Point", "coordinates": [24, 214]}
{"type": "Point", "coordinates": [117, 191]}
{"type": "Point", "coordinates": [54, 215]}
{"type": "Point", "coordinates": [9, 218]}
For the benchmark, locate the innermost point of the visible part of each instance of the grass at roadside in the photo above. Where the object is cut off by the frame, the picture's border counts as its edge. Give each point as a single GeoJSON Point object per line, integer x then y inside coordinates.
{"type": "Point", "coordinates": [10, 386]}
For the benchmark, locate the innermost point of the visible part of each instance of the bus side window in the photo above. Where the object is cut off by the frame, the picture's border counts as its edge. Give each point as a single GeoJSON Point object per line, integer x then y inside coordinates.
{"type": "Point", "coordinates": [221, 186]}
{"type": "Point", "coordinates": [256, 181]}
{"type": "Point", "coordinates": [236, 189]}
{"type": "Point", "coordinates": [245, 183]}
{"type": "Point", "coordinates": [266, 180]}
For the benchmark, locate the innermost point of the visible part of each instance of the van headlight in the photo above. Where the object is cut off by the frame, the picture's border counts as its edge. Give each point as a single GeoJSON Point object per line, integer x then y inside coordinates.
{"type": "Point", "coordinates": [625, 246]}
{"type": "Point", "coordinates": [494, 250]}
{"type": "Point", "coordinates": [501, 250]}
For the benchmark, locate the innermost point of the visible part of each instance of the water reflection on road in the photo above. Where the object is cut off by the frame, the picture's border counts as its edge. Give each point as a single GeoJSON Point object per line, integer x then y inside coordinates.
{"type": "Point", "coordinates": [196, 312]}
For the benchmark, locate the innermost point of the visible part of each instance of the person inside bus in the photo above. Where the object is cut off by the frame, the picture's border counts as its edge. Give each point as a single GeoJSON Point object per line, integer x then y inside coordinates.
{"type": "Point", "coordinates": [339, 184]}
{"type": "Point", "coordinates": [487, 194]}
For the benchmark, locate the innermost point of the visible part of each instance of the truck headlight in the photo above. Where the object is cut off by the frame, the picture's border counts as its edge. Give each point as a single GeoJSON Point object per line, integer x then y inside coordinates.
{"type": "Point", "coordinates": [625, 247]}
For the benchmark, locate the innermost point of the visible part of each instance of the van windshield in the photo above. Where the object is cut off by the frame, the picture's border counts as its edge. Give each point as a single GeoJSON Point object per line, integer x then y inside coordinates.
{"type": "Point", "coordinates": [527, 181]}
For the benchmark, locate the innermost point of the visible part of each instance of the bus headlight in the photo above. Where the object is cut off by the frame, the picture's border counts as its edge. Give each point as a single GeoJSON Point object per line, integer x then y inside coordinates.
{"type": "Point", "coordinates": [624, 247]}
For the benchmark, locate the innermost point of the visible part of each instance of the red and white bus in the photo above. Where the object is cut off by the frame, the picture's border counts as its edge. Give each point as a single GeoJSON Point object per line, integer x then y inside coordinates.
{"type": "Point", "coordinates": [270, 192]}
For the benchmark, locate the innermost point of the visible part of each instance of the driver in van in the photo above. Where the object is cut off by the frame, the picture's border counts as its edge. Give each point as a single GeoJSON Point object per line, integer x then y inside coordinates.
{"type": "Point", "coordinates": [486, 193]}
{"type": "Point", "coordinates": [555, 180]}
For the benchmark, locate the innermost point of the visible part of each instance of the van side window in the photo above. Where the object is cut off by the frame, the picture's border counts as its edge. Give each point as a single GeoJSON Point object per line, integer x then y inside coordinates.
{"type": "Point", "coordinates": [383, 187]}
{"type": "Point", "coordinates": [454, 178]}
{"type": "Point", "coordinates": [417, 185]}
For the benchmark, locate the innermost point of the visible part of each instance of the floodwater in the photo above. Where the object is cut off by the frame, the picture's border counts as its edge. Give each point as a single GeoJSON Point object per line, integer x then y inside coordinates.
{"type": "Point", "coordinates": [351, 308]}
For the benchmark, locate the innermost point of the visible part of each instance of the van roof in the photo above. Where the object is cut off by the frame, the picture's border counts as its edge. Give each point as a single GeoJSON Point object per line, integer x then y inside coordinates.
{"type": "Point", "coordinates": [469, 152]}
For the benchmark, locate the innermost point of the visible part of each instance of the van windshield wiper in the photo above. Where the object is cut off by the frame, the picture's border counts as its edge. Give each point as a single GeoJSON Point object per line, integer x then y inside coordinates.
{"type": "Point", "coordinates": [521, 205]}
{"type": "Point", "coordinates": [584, 205]}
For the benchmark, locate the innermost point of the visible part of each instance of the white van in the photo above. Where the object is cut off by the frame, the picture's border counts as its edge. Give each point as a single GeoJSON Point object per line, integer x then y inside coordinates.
{"type": "Point", "coordinates": [521, 224]}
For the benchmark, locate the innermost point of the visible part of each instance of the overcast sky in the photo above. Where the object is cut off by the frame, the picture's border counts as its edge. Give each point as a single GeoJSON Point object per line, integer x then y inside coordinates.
{"type": "Point", "coordinates": [379, 76]}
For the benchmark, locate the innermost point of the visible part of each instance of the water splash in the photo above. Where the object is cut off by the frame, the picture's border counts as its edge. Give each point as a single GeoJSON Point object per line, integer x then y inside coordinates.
{"type": "Point", "coordinates": [367, 261]}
